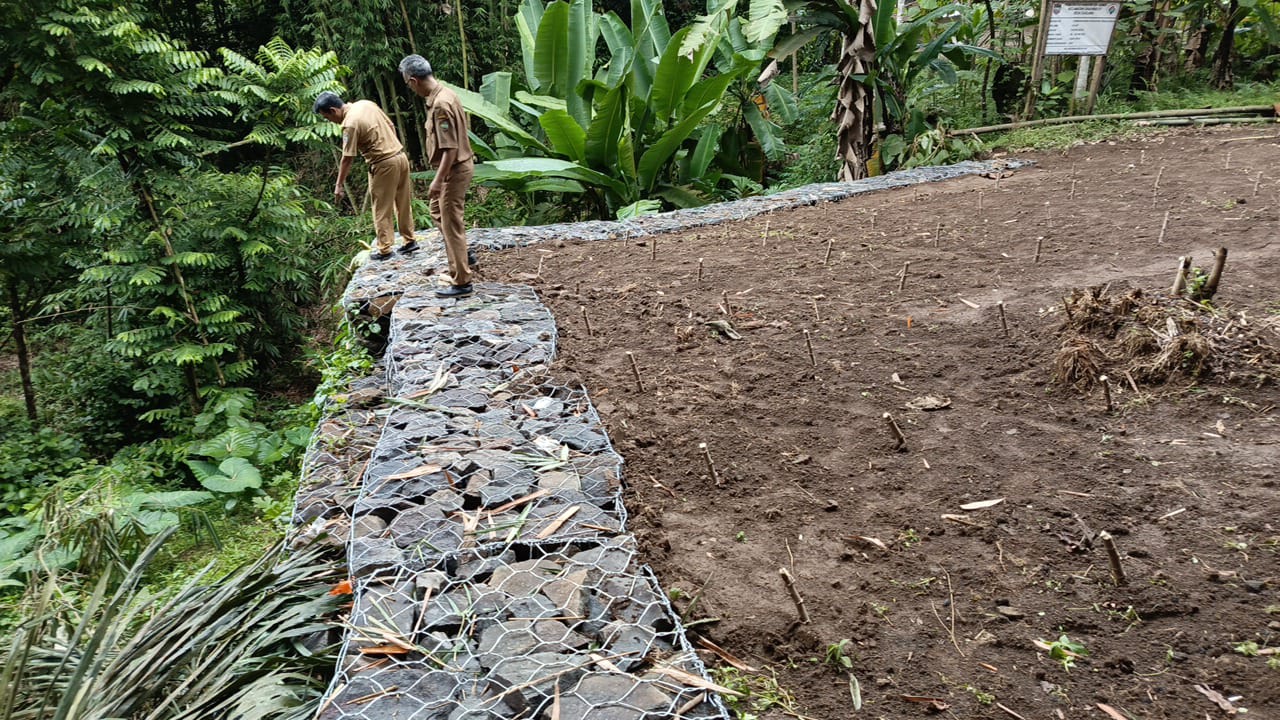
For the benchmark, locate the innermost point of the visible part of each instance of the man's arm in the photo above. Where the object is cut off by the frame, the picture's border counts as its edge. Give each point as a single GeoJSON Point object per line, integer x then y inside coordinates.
{"type": "Point", "coordinates": [344, 167]}
{"type": "Point", "coordinates": [447, 158]}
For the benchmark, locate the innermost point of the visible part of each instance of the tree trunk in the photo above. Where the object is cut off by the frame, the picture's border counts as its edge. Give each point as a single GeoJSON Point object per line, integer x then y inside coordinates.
{"type": "Point", "coordinates": [854, 114]}
{"type": "Point", "coordinates": [1144, 63]}
{"type": "Point", "coordinates": [18, 311]}
{"type": "Point", "coordinates": [1222, 78]}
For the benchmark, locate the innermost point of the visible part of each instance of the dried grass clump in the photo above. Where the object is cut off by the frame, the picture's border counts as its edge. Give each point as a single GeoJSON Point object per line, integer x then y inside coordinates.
{"type": "Point", "coordinates": [1190, 353]}
{"type": "Point", "coordinates": [1136, 341]}
{"type": "Point", "coordinates": [1078, 362]}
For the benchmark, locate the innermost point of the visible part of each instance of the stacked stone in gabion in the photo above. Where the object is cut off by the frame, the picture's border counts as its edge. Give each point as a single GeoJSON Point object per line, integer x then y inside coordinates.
{"type": "Point", "coordinates": [511, 632]}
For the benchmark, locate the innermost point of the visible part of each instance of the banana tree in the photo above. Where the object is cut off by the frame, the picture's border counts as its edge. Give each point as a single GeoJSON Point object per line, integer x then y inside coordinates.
{"type": "Point", "coordinates": [881, 65]}
{"type": "Point", "coordinates": [624, 130]}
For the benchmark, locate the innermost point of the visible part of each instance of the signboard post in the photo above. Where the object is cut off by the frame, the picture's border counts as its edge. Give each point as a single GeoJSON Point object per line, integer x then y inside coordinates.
{"type": "Point", "coordinates": [1073, 27]}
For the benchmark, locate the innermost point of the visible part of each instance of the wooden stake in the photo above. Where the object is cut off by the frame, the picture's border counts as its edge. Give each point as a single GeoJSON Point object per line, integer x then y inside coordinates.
{"type": "Point", "coordinates": [1039, 245]}
{"type": "Point", "coordinates": [816, 317]}
{"type": "Point", "coordinates": [1142, 157]}
{"type": "Point", "coordinates": [577, 289]}
{"type": "Point", "coordinates": [540, 259]}
{"type": "Point", "coordinates": [587, 321]}
{"type": "Point", "coordinates": [1256, 183]}
{"type": "Point", "coordinates": [711, 466]}
{"type": "Point", "coordinates": [808, 342]}
{"type": "Point", "coordinates": [699, 269]}
{"type": "Point", "coordinates": [790, 582]}
{"type": "Point", "coordinates": [899, 440]}
{"type": "Point", "coordinates": [764, 239]}
{"type": "Point", "coordinates": [937, 232]}
{"type": "Point", "coordinates": [1180, 280]}
{"type": "Point", "coordinates": [979, 203]}
{"type": "Point", "coordinates": [1004, 323]}
{"type": "Point", "coordinates": [1113, 557]}
{"type": "Point", "coordinates": [906, 268]}
{"type": "Point", "coordinates": [827, 258]}
{"type": "Point", "coordinates": [724, 300]}
{"type": "Point", "coordinates": [1106, 391]}
{"type": "Point", "coordinates": [873, 221]}
{"type": "Point", "coordinates": [1163, 227]}
{"type": "Point", "coordinates": [635, 370]}
{"type": "Point", "coordinates": [1210, 286]}
{"type": "Point", "coordinates": [1155, 189]}
{"type": "Point", "coordinates": [1227, 165]}
{"type": "Point", "coordinates": [1048, 215]}
{"type": "Point", "coordinates": [1073, 189]}
{"type": "Point", "coordinates": [653, 251]}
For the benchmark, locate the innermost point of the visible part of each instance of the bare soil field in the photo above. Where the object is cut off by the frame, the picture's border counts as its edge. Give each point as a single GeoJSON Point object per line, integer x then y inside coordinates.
{"type": "Point", "coordinates": [965, 573]}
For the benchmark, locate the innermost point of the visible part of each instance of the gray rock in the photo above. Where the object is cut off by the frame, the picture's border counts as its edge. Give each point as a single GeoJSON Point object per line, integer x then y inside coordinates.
{"type": "Point", "coordinates": [370, 554]}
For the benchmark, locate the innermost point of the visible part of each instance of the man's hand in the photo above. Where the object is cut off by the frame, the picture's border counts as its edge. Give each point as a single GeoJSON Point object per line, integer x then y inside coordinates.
{"type": "Point", "coordinates": [437, 187]}
{"type": "Point", "coordinates": [339, 193]}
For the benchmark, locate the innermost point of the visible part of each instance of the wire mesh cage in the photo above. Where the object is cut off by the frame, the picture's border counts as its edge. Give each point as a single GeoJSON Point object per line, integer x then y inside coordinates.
{"type": "Point", "coordinates": [577, 627]}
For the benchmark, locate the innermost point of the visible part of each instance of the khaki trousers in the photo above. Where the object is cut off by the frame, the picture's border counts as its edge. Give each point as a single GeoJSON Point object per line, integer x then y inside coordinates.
{"type": "Point", "coordinates": [446, 211]}
{"type": "Point", "coordinates": [392, 196]}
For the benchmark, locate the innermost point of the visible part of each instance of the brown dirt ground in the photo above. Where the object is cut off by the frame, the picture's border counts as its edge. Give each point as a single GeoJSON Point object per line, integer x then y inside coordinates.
{"type": "Point", "coordinates": [946, 603]}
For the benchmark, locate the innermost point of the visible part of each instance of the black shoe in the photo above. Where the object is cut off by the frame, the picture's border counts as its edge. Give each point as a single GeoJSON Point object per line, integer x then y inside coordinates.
{"type": "Point", "coordinates": [408, 248]}
{"type": "Point", "coordinates": [454, 291]}
{"type": "Point", "coordinates": [471, 258]}
{"type": "Point", "coordinates": [376, 255]}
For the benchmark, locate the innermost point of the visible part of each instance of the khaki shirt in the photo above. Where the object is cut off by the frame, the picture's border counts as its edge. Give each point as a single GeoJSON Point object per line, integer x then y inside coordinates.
{"type": "Point", "coordinates": [447, 125]}
{"type": "Point", "coordinates": [367, 131]}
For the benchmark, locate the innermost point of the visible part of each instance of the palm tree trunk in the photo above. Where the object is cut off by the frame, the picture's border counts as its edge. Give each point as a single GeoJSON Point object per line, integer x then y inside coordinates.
{"type": "Point", "coordinates": [854, 114]}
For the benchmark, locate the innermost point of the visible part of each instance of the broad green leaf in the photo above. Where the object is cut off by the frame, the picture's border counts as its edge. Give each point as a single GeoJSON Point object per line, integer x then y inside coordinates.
{"type": "Point", "coordinates": [495, 117]}
{"type": "Point", "coordinates": [495, 88]}
{"type": "Point", "coordinates": [516, 168]}
{"type": "Point", "coordinates": [768, 134]}
{"type": "Point", "coordinates": [705, 151]}
{"type": "Point", "coordinates": [551, 52]}
{"type": "Point", "coordinates": [605, 130]}
{"type": "Point", "coordinates": [766, 18]}
{"type": "Point", "coordinates": [566, 135]}
{"type": "Point", "coordinates": [653, 159]}
{"type": "Point", "coordinates": [237, 474]}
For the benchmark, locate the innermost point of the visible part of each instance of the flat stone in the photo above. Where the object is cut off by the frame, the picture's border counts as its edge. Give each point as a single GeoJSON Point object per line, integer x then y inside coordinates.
{"type": "Point", "coordinates": [370, 554]}
{"type": "Point", "coordinates": [556, 480]}
{"type": "Point", "coordinates": [580, 437]}
{"type": "Point", "coordinates": [1010, 613]}
{"type": "Point", "coordinates": [632, 642]}
{"type": "Point", "coordinates": [524, 578]}
{"type": "Point", "coordinates": [606, 558]}
{"type": "Point", "coordinates": [566, 592]}
{"type": "Point", "coordinates": [369, 526]}
{"type": "Point", "coordinates": [537, 675]}
{"type": "Point", "coordinates": [381, 605]}
{"type": "Point", "coordinates": [610, 696]}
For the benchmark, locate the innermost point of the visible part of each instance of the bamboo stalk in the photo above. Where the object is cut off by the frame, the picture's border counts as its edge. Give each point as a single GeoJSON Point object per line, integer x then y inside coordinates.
{"type": "Point", "coordinates": [900, 440]}
{"type": "Point", "coordinates": [587, 321]}
{"type": "Point", "coordinates": [809, 344]}
{"type": "Point", "coordinates": [635, 370]}
{"type": "Point", "coordinates": [790, 583]}
{"type": "Point", "coordinates": [1268, 110]}
{"type": "Point", "coordinates": [1105, 382]}
{"type": "Point", "coordinates": [711, 465]}
{"type": "Point", "coordinates": [699, 269]}
{"type": "Point", "coordinates": [1113, 557]}
{"type": "Point", "coordinates": [1004, 322]}
{"type": "Point", "coordinates": [906, 268]}
{"type": "Point", "coordinates": [1163, 227]}
{"type": "Point", "coordinates": [827, 258]}
{"type": "Point", "coordinates": [1039, 245]}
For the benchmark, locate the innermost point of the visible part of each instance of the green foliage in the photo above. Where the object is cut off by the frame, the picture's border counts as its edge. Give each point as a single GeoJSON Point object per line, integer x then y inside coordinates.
{"type": "Point", "coordinates": [31, 460]}
{"type": "Point", "coordinates": [118, 651]}
{"type": "Point", "coordinates": [232, 450]}
{"type": "Point", "coordinates": [628, 129]}
{"type": "Point", "coordinates": [274, 93]}
{"type": "Point", "coordinates": [1065, 650]}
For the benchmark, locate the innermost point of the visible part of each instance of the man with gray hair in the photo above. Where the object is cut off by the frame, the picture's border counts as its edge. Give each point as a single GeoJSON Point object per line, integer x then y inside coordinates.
{"type": "Point", "coordinates": [449, 152]}
{"type": "Point", "coordinates": [367, 131]}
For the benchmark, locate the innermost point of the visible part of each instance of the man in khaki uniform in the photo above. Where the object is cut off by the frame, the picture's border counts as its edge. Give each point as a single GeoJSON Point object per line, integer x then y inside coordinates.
{"type": "Point", "coordinates": [367, 131]}
{"type": "Point", "coordinates": [449, 152]}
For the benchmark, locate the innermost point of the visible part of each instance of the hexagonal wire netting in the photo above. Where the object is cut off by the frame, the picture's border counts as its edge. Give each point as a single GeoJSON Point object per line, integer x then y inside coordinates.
{"type": "Point", "coordinates": [526, 630]}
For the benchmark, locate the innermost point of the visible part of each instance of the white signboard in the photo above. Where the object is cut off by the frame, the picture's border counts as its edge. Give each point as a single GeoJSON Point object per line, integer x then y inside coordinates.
{"type": "Point", "coordinates": [1080, 28]}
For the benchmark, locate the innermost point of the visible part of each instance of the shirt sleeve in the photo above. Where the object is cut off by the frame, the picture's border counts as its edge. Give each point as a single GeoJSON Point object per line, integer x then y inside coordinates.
{"type": "Point", "coordinates": [447, 128]}
{"type": "Point", "coordinates": [350, 144]}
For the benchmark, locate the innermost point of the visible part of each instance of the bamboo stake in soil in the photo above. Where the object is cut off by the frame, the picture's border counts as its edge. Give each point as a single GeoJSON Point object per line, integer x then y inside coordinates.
{"type": "Point", "coordinates": [899, 440]}
{"type": "Point", "coordinates": [816, 317]}
{"type": "Point", "coordinates": [937, 232]}
{"type": "Point", "coordinates": [790, 582]}
{"type": "Point", "coordinates": [1073, 190]}
{"type": "Point", "coordinates": [1106, 391]}
{"type": "Point", "coordinates": [577, 289]}
{"type": "Point", "coordinates": [711, 466]}
{"type": "Point", "coordinates": [979, 203]}
{"type": "Point", "coordinates": [1163, 227]}
{"type": "Point", "coordinates": [1039, 245]}
{"type": "Point", "coordinates": [808, 342]}
{"type": "Point", "coordinates": [1227, 164]}
{"type": "Point", "coordinates": [635, 370]}
{"type": "Point", "coordinates": [1256, 183]}
{"type": "Point", "coordinates": [1180, 280]}
{"type": "Point", "coordinates": [1210, 286]}
{"type": "Point", "coordinates": [724, 300]}
{"type": "Point", "coordinates": [653, 253]}
{"type": "Point", "coordinates": [699, 269]}
{"type": "Point", "coordinates": [1004, 322]}
{"type": "Point", "coordinates": [764, 239]}
{"type": "Point", "coordinates": [1113, 557]}
{"type": "Point", "coordinates": [586, 321]}
{"type": "Point", "coordinates": [1155, 189]}
{"type": "Point", "coordinates": [827, 258]}
{"type": "Point", "coordinates": [873, 221]}
{"type": "Point", "coordinates": [906, 268]}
